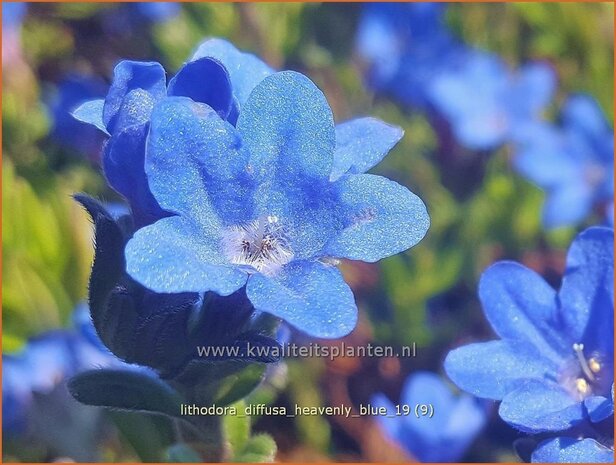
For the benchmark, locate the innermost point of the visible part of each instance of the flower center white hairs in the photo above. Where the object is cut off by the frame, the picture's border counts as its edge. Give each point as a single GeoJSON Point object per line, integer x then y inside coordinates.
{"type": "Point", "coordinates": [262, 245]}
{"type": "Point", "coordinates": [583, 377]}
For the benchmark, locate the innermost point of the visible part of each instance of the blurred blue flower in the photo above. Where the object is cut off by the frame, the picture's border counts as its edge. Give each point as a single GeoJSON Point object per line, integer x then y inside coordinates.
{"type": "Point", "coordinates": [48, 360]}
{"type": "Point", "coordinates": [155, 12]}
{"type": "Point", "coordinates": [573, 163]}
{"type": "Point", "coordinates": [570, 450]}
{"type": "Point", "coordinates": [405, 46]}
{"type": "Point", "coordinates": [258, 205]}
{"type": "Point", "coordinates": [446, 436]}
{"type": "Point", "coordinates": [553, 366]}
{"type": "Point", "coordinates": [486, 103]}
{"type": "Point", "coordinates": [66, 130]}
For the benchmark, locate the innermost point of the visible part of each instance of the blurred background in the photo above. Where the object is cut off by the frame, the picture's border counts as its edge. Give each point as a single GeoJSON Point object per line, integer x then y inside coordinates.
{"type": "Point", "coordinates": [57, 55]}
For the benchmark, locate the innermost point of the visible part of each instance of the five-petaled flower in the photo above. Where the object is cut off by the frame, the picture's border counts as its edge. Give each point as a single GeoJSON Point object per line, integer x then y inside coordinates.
{"type": "Point", "coordinates": [271, 203]}
{"type": "Point", "coordinates": [553, 366]}
{"type": "Point", "coordinates": [573, 163]}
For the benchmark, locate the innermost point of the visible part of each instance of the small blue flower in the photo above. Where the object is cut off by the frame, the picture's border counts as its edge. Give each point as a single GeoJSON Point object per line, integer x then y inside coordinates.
{"type": "Point", "coordinates": [570, 450]}
{"type": "Point", "coordinates": [259, 205]}
{"type": "Point", "coordinates": [46, 361]}
{"type": "Point", "coordinates": [405, 45]}
{"type": "Point", "coordinates": [446, 436]}
{"type": "Point", "coordinates": [486, 103]}
{"type": "Point", "coordinates": [70, 92]}
{"type": "Point", "coordinates": [155, 12]}
{"type": "Point", "coordinates": [573, 163]}
{"type": "Point", "coordinates": [553, 366]}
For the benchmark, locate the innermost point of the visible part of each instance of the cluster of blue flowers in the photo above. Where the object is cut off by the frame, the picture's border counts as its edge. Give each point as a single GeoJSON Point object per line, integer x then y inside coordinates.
{"type": "Point", "coordinates": [412, 57]}
{"type": "Point", "coordinates": [553, 367]}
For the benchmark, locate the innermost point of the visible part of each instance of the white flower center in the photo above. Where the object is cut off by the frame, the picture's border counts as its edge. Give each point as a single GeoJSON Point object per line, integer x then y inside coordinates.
{"type": "Point", "coordinates": [261, 244]}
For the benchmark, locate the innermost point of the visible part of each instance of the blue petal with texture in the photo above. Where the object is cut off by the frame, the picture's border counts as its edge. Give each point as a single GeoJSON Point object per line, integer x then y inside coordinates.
{"type": "Point", "coordinates": [176, 255]}
{"type": "Point", "coordinates": [587, 292]}
{"type": "Point", "coordinates": [526, 316]}
{"type": "Point", "coordinates": [288, 128]}
{"type": "Point", "coordinates": [245, 69]}
{"type": "Point", "coordinates": [196, 165]}
{"type": "Point", "coordinates": [540, 406]}
{"type": "Point", "coordinates": [91, 112]}
{"type": "Point", "coordinates": [128, 76]}
{"type": "Point", "coordinates": [205, 81]}
{"type": "Point", "coordinates": [570, 450]}
{"type": "Point", "coordinates": [123, 166]}
{"type": "Point", "coordinates": [380, 218]}
{"type": "Point", "coordinates": [310, 296]}
{"type": "Point", "coordinates": [493, 369]}
{"type": "Point", "coordinates": [362, 143]}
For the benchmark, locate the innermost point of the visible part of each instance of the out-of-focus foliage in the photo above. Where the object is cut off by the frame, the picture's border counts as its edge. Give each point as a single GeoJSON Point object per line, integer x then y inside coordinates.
{"type": "Point", "coordinates": [480, 209]}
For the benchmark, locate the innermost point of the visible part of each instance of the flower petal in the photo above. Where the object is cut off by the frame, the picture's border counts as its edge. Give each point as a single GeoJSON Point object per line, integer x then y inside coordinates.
{"type": "Point", "coordinates": [587, 292]}
{"type": "Point", "coordinates": [245, 69]}
{"type": "Point", "coordinates": [522, 307]}
{"type": "Point", "coordinates": [123, 164]}
{"type": "Point", "coordinates": [570, 450]}
{"type": "Point", "coordinates": [536, 84]}
{"type": "Point", "coordinates": [599, 408]}
{"type": "Point", "coordinates": [288, 128]}
{"type": "Point", "coordinates": [567, 204]}
{"type": "Point", "coordinates": [380, 218]}
{"type": "Point", "coordinates": [362, 143]}
{"type": "Point", "coordinates": [195, 164]}
{"type": "Point", "coordinates": [128, 76]}
{"type": "Point", "coordinates": [310, 296]}
{"type": "Point", "coordinates": [583, 113]}
{"type": "Point", "coordinates": [493, 369]}
{"type": "Point", "coordinates": [540, 406]}
{"type": "Point", "coordinates": [91, 112]}
{"type": "Point", "coordinates": [176, 255]}
{"type": "Point", "coordinates": [205, 81]}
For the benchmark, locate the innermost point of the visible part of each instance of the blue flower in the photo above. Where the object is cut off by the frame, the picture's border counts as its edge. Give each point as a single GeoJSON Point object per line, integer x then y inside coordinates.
{"type": "Point", "coordinates": [70, 92]}
{"type": "Point", "coordinates": [553, 366]}
{"type": "Point", "coordinates": [573, 163]}
{"type": "Point", "coordinates": [570, 450]}
{"type": "Point", "coordinates": [486, 103]}
{"type": "Point", "coordinates": [259, 205]}
{"type": "Point", "coordinates": [46, 361]}
{"type": "Point", "coordinates": [446, 436]}
{"type": "Point", "coordinates": [155, 12]}
{"type": "Point", "coordinates": [405, 45]}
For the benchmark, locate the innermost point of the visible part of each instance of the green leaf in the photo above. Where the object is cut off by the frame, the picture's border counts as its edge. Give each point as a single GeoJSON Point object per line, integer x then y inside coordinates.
{"type": "Point", "coordinates": [219, 383]}
{"type": "Point", "coordinates": [260, 448]}
{"type": "Point", "coordinates": [125, 390]}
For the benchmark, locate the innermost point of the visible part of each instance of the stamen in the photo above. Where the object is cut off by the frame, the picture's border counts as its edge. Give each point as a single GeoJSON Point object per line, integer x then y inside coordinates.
{"type": "Point", "coordinates": [594, 365]}
{"type": "Point", "coordinates": [582, 386]}
{"type": "Point", "coordinates": [588, 371]}
{"type": "Point", "coordinates": [260, 244]}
